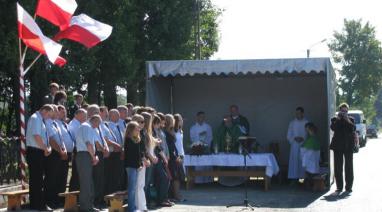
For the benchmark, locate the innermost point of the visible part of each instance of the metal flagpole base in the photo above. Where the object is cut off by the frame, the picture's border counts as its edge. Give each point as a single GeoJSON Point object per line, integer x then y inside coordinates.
{"type": "Point", "coordinates": [246, 204]}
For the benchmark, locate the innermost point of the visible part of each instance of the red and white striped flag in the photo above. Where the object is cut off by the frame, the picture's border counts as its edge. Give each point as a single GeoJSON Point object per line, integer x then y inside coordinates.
{"type": "Point", "coordinates": [86, 31]}
{"type": "Point", "coordinates": [57, 12]}
{"type": "Point", "coordinates": [32, 36]}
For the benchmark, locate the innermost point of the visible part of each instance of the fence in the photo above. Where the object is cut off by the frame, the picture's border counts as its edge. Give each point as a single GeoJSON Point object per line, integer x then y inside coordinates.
{"type": "Point", "coordinates": [9, 160]}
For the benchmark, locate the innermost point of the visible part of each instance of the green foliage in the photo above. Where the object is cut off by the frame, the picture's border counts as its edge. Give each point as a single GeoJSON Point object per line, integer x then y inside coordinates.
{"type": "Point", "coordinates": [359, 52]}
{"type": "Point", "coordinates": [142, 30]}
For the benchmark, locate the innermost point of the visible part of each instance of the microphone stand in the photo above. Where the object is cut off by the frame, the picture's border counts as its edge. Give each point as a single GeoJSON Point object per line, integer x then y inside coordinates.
{"type": "Point", "coordinates": [245, 203]}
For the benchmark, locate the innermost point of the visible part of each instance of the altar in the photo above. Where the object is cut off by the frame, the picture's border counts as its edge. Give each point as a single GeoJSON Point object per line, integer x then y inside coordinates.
{"type": "Point", "coordinates": [266, 161]}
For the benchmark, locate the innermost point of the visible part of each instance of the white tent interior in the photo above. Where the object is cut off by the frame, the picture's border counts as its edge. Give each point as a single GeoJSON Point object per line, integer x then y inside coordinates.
{"type": "Point", "coordinates": [267, 92]}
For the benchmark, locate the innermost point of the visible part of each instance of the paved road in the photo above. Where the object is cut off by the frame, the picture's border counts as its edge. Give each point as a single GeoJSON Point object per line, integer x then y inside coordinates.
{"type": "Point", "coordinates": [366, 196]}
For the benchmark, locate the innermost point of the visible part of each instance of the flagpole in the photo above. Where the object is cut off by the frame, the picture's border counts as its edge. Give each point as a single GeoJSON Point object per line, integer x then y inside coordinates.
{"type": "Point", "coordinates": [30, 66]}
{"type": "Point", "coordinates": [23, 56]}
{"type": "Point", "coordinates": [20, 50]}
{"type": "Point", "coordinates": [26, 47]}
{"type": "Point", "coordinates": [23, 164]}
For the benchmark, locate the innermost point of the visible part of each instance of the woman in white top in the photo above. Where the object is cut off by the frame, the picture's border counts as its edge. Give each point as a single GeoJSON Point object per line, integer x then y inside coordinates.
{"type": "Point", "coordinates": [178, 127]}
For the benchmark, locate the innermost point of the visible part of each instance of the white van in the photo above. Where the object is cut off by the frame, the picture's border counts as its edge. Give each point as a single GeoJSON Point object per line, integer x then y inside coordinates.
{"type": "Point", "coordinates": [360, 122]}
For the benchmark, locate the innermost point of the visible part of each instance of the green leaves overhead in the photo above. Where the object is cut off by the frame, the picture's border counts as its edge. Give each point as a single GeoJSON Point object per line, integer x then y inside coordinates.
{"type": "Point", "coordinates": [359, 52]}
{"type": "Point", "coordinates": [142, 30]}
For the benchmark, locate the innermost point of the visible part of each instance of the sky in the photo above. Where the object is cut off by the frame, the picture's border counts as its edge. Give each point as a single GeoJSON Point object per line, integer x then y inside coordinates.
{"type": "Point", "coordinates": [256, 29]}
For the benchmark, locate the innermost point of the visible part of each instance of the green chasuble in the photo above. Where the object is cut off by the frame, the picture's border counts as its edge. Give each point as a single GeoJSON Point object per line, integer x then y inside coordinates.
{"type": "Point", "coordinates": [312, 143]}
{"type": "Point", "coordinates": [227, 138]}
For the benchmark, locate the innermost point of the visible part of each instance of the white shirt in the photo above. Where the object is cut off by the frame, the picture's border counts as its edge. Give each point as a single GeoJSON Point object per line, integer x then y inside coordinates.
{"type": "Point", "coordinates": [122, 125]}
{"type": "Point", "coordinates": [97, 136]}
{"type": "Point", "coordinates": [67, 138]}
{"type": "Point", "coordinates": [196, 133]}
{"type": "Point", "coordinates": [73, 126]}
{"type": "Point", "coordinates": [116, 130]}
{"type": "Point", "coordinates": [84, 136]}
{"type": "Point", "coordinates": [107, 133]}
{"type": "Point", "coordinates": [179, 143]}
{"type": "Point", "coordinates": [36, 126]}
{"type": "Point", "coordinates": [54, 131]}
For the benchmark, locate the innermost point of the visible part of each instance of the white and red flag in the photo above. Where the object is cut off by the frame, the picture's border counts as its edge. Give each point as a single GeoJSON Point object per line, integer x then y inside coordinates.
{"type": "Point", "coordinates": [57, 12]}
{"type": "Point", "coordinates": [86, 31]}
{"type": "Point", "coordinates": [32, 36]}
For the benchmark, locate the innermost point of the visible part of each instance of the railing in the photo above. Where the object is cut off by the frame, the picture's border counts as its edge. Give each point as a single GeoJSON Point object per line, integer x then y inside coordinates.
{"type": "Point", "coordinates": [9, 160]}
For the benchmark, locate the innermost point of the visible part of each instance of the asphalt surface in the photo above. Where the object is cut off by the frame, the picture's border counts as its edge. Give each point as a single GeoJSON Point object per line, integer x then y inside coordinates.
{"type": "Point", "coordinates": [366, 196]}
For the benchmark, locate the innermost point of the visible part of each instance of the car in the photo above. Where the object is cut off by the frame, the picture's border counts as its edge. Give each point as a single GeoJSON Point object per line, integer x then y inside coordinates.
{"type": "Point", "coordinates": [372, 131]}
{"type": "Point", "coordinates": [360, 122]}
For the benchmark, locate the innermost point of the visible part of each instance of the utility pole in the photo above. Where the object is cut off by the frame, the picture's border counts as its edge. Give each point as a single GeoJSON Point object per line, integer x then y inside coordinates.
{"type": "Point", "coordinates": [197, 34]}
{"type": "Point", "coordinates": [308, 50]}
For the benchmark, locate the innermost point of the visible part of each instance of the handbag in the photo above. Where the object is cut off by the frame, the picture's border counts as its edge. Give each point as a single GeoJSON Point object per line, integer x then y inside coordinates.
{"type": "Point", "coordinates": [356, 142]}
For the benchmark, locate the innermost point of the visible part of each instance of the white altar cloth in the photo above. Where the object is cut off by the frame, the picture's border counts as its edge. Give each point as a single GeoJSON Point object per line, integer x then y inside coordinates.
{"type": "Point", "coordinates": [266, 160]}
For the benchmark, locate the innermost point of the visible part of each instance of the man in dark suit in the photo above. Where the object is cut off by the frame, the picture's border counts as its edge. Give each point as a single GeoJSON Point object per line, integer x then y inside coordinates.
{"type": "Point", "coordinates": [239, 120]}
{"type": "Point", "coordinates": [53, 87]}
{"type": "Point", "coordinates": [342, 145]}
{"type": "Point", "coordinates": [78, 100]}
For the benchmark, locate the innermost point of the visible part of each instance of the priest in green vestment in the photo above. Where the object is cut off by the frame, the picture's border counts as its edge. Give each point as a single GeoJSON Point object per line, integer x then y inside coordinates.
{"type": "Point", "coordinates": [227, 135]}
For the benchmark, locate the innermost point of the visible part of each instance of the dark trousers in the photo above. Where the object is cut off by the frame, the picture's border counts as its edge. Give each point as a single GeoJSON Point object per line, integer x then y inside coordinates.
{"type": "Point", "coordinates": [53, 166]}
{"type": "Point", "coordinates": [148, 182]}
{"type": "Point", "coordinates": [63, 176]}
{"type": "Point", "coordinates": [85, 170]}
{"type": "Point", "coordinates": [338, 169]}
{"type": "Point", "coordinates": [113, 173]}
{"type": "Point", "coordinates": [161, 181]}
{"type": "Point", "coordinates": [99, 179]}
{"type": "Point", "coordinates": [123, 182]}
{"type": "Point", "coordinates": [74, 184]}
{"type": "Point", "coordinates": [35, 159]}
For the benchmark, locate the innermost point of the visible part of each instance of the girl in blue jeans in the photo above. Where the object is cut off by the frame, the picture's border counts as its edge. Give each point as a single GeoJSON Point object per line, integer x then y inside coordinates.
{"type": "Point", "coordinates": [134, 161]}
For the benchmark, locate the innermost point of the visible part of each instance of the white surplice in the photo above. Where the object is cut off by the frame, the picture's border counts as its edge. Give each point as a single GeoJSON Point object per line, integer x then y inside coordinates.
{"type": "Point", "coordinates": [296, 129]}
{"type": "Point", "coordinates": [310, 160]}
{"type": "Point", "coordinates": [202, 133]}
{"type": "Point", "coordinates": [196, 131]}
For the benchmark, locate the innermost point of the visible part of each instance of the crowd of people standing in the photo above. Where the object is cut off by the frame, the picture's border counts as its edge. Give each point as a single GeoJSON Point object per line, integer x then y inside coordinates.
{"type": "Point", "coordinates": [141, 150]}
{"type": "Point", "coordinates": [127, 148]}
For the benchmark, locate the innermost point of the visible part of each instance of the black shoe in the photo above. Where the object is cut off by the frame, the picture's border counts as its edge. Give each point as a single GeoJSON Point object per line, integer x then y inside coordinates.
{"type": "Point", "coordinates": [46, 208]}
{"type": "Point", "coordinates": [336, 193]}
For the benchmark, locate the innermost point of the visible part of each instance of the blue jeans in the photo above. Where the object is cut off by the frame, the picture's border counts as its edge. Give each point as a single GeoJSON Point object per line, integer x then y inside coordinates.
{"type": "Point", "coordinates": [131, 188]}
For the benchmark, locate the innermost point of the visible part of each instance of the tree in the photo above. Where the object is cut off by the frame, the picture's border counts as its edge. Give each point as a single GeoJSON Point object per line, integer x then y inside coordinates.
{"type": "Point", "coordinates": [360, 55]}
{"type": "Point", "coordinates": [142, 30]}
{"type": "Point", "coordinates": [166, 31]}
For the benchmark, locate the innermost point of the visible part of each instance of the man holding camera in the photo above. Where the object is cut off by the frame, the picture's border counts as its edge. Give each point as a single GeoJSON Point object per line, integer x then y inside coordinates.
{"type": "Point", "coordinates": [342, 145]}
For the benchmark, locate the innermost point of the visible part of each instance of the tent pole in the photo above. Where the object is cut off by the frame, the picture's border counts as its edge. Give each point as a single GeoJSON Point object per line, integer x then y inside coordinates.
{"type": "Point", "coordinates": [172, 95]}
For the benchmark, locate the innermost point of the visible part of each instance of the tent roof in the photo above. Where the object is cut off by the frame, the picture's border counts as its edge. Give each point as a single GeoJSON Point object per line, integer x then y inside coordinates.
{"type": "Point", "coordinates": [225, 67]}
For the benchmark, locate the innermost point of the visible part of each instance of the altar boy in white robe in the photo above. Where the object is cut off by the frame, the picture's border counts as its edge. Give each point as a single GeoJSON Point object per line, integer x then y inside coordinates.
{"type": "Point", "coordinates": [201, 132]}
{"type": "Point", "coordinates": [296, 137]}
